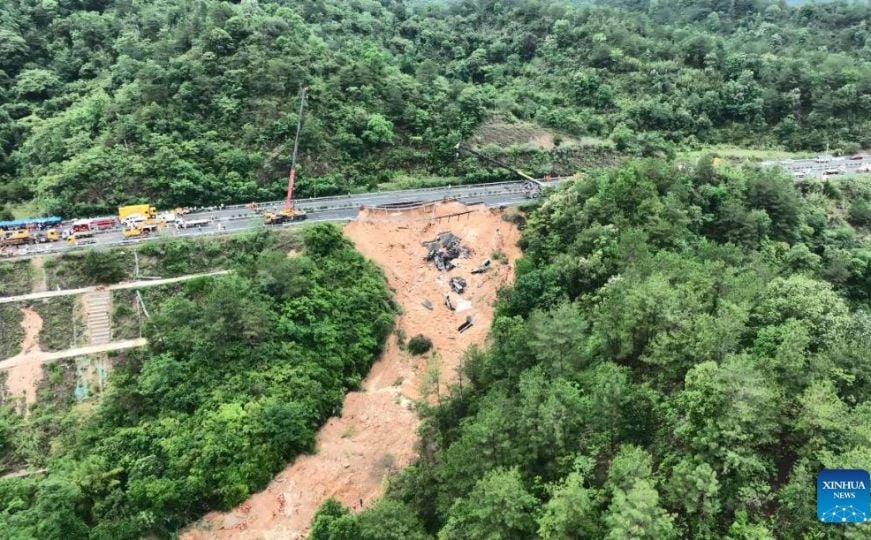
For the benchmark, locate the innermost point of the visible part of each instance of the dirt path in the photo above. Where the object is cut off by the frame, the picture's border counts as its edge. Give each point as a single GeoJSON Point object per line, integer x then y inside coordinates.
{"type": "Point", "coordinates": [39, 357]}
{"type": "Point", "coordinates": [377, 430]}
{"type": "Point", "coordinates": [37, 267]}
{"type": "Point", "coordinates": [23, 377]}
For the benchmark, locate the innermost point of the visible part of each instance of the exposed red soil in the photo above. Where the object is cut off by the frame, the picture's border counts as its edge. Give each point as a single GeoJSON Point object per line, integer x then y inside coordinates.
{"type": "Point", "coordinates": [22, 379]}
{"type": "Point", "coordinates": [377, 431]}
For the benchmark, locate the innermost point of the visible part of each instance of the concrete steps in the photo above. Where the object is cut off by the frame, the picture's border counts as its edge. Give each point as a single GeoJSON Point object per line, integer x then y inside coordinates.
{"type": "Point", "coordinates": [98, 316]}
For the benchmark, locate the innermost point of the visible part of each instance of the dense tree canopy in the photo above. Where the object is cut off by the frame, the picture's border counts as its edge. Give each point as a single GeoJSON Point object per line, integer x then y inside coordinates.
{"type": "Point", "coordinates": [239, 374]}
{"type": "Point", "coordinates": [193, 102]}
{"type": "Point", "coordinates": [682, 352]}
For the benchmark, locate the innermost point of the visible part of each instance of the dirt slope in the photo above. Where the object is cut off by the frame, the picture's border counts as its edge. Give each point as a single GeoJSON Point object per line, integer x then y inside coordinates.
{"type": "Point", "coordinates": [377, 430]}
{"type": "Point", "coordinates": [23, 377]}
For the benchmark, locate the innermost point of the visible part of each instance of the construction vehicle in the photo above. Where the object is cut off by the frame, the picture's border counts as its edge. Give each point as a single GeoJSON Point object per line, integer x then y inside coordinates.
{"type": "Point", "coordinates": [145, 211]}
{"type": "Point", "coordinates": [531, 187]}
{"type": "Point", "coordinates": [42, 237]}
{"type": "Point", "coordinates": [81, 237]}
{"type": "Point", "coordinates": [16, 238]}
{"type": "Point", "coordinates": [23, 236]}
{"type": "Point", "coordinates": [145, 228]}
{"type": "Point", "coordinates": [289, 213]}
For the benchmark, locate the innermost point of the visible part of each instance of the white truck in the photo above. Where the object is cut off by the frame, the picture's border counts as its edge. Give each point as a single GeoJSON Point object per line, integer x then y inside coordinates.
{"type": "Point", "coordinates": [191, 223]}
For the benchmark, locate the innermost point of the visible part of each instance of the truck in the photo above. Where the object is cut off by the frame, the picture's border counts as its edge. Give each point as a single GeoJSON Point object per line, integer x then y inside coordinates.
{"type": "Point", "coordinates": [103, 223]}
{"type": "Point", "coordinates": [144, 228]}
{"type": "Point", "coordinates": [16, 237]}
{"type": "Point", "coordinates": [146, 211]}
{"type": "Point", "coordinates": [81, 237]}
{"type": "Point", "coordinates": [48, 235]}
{"type": "Point", "coordinates": [191, 223]}
{"type": "Point", "coordinates": [283, 216]}
{"type": "Point", "coordinates": [81, 225]}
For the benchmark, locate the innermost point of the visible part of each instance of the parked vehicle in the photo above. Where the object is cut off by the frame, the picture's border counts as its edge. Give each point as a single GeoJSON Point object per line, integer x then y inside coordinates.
{"type": "Point", "coordinates": [81, 225]}
{"type": "Point", "coordinates": [145, 211]}
{"type": "Point", "coordinates": [191, 223]}
{"type": "Point", "coordinates": [104, 223]}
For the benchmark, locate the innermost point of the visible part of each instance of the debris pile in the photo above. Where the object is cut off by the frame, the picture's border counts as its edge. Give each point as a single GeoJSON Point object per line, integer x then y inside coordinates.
{"type": "Point", "coordinates": [444, 250]}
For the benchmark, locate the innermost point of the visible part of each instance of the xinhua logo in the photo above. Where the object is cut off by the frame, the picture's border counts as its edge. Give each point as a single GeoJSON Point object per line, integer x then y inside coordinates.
{"type": "Point", "coordinates": [843, 496]}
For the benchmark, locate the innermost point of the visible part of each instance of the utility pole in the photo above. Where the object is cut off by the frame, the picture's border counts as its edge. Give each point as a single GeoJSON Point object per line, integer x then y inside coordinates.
{"type": "Point", "coordinates": [288, 203]}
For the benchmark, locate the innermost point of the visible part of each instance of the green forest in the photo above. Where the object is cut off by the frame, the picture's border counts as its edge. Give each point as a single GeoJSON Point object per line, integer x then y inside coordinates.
{"type": "Point", "coordinates": [685, 347]}
{"type": "Point", "coordinates": [240, 372]}
{"type": "Point", "coordinates": [193, 102]}
{"type": "Point", "coordinates": [681, 353]}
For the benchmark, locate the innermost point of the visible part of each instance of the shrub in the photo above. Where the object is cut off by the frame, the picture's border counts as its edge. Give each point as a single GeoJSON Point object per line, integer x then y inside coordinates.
{"type": "Point", "coordinates": [419, 344]}
{"type": "Point", "coordinates": [499, 257]}
{"type": "Point", "coordinates": [860, 214]}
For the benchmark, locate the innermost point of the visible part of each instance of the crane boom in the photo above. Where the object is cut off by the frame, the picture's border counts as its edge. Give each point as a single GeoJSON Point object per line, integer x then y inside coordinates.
{"type": "Point", "coordinates": [288, 203]}
{"type": "Point", "coordinates": [289, 213]}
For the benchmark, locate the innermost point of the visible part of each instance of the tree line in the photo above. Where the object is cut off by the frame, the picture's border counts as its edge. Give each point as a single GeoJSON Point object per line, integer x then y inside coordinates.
{"type": "Point", "coordinates": [192, 102]}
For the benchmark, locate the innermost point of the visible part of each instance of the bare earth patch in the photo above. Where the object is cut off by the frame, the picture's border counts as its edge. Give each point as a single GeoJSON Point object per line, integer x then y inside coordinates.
{"type": "Point", "coordinates": [22, 379]}
{"type": "Point", "coordinates": [505, 134]}
{"type": "Point", "coordinates": [38, 280]}
{"type": "Point", "coordinates": [377, 431]}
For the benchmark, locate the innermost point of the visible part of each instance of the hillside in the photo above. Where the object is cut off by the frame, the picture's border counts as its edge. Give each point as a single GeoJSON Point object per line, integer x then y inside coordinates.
{"type": "Point", "coordinates": [192, 102]}
{"type": "Point", "coordinates": [681, 354]}
{"type": "Point", "coordinates": [239, 372]}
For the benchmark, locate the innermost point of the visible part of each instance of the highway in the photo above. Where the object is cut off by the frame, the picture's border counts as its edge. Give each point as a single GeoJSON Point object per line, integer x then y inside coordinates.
{"type": "Point", "coordinates": [238, 218]}
{"type": "Point", "coordinates": [818, 167]}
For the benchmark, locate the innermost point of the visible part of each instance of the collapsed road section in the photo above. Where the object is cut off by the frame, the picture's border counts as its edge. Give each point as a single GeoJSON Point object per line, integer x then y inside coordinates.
{"type": "Point", "coordinates": [377, 430]}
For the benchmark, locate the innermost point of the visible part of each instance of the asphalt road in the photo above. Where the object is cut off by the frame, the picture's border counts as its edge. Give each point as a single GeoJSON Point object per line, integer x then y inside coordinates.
{"type": "Point", "coordinates": [342, 208]}
{"type": "Point", "coordinates": [821, 164]}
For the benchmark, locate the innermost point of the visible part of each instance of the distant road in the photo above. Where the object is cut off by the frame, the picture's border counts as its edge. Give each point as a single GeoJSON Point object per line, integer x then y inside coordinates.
{"type": "Point", "coordinates": [818, 166]}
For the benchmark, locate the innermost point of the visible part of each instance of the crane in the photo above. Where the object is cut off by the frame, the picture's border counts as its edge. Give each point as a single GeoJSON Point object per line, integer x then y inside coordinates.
{"type": "Point", "coordinates": [531, 186]}
{"type": "Point", "coordinates": [289, 213]}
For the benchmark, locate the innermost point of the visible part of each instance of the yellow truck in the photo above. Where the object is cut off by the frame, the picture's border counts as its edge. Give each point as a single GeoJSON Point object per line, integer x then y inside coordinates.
{"type": "Point", "coordinates": [81, 237]}
{"type": "Point", "coordinates": [142, 229]}
{"type": "Point", "coordinates": [145, 211]}
{"type": "Point", "coordinates": [48, 235]}
{"type": "Point", "coordinates": [15, 238]}
{"type": "Point", "coordinates": [23, 236]}
{"type": "Point", "coordinates": [283, 216]}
